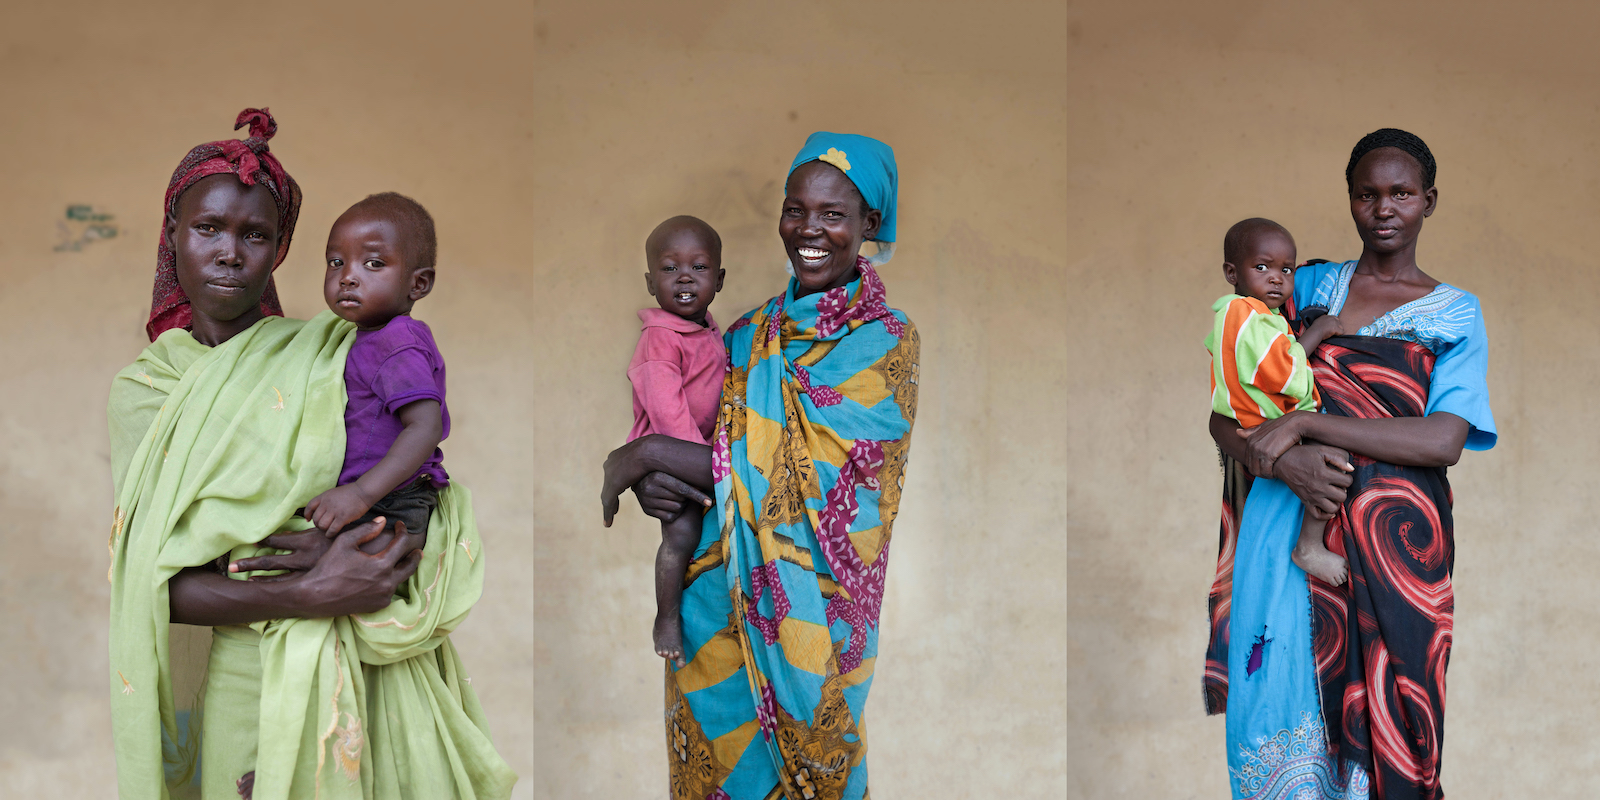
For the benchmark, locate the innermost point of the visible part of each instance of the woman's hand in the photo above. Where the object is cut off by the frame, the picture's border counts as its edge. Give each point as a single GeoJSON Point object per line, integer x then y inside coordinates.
{"type": "Point", "coordinates": [662, 496]}
{"type": "Point", "coordinates": [1318, 474]}
{"type": "Point", "coordinates": [1268, 441]}
{"type": "Point", "coordinates": [681, 468]}
{"type": "Point", "coordinates": [335, 578]}
{"type": "Point", "coordinates": [623, 469]}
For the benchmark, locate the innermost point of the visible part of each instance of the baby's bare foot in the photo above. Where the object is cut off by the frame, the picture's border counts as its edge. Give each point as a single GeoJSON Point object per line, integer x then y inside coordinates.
{"type": "Point", "coordinates": [1323, 564]}
{"type": "Point", "coordinates": [669, 638]}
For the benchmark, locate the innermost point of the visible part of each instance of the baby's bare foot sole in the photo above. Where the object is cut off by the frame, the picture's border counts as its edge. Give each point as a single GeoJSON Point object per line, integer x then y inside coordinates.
{"type": "Point", "coordinates": [669, 638]}
{"type": "Point", "coordinates": [1322, 564]}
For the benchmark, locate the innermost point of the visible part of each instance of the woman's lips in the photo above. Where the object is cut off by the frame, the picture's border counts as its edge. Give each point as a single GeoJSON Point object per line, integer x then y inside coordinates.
{"type": "Point", "coordinates": [227, 286]}
{"type": "Point", "coordinates": [811, 256]}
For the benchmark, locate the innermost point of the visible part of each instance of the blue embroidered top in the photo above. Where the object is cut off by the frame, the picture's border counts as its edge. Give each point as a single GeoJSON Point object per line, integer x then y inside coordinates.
{"type": "Point", "coordinates": [1447, 321]}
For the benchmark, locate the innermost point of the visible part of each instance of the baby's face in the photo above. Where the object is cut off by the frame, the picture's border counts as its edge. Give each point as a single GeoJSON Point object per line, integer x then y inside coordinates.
{"type": "Point", "coordinates": [369, 280]}
{"type": "Point", "coordinates": [685, 274]}
{"type": "Point", "coordinates": [1266, 271]}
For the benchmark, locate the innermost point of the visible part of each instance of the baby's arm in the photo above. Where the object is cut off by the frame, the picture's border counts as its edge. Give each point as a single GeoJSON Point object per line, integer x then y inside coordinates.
{"type": "Point", "coordinates": [342, 505]}
{"type": "Point", "coordinates": [1319, 331]}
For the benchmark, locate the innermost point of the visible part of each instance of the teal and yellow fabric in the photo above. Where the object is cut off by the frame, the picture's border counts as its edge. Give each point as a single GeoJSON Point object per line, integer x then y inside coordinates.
{"type": "Point", "coordinates": [781, 601]}
{"type": "Point", "coordinates": [213, 449]}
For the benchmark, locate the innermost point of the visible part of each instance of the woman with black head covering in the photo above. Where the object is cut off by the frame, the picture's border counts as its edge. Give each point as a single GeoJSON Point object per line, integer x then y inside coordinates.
{"type": "Point", "coordinates": [1341, 694]}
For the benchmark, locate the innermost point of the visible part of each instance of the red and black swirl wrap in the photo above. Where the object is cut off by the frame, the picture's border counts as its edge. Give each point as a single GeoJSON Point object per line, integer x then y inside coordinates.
{"type": "Point", "coordinates": [1382, 641]}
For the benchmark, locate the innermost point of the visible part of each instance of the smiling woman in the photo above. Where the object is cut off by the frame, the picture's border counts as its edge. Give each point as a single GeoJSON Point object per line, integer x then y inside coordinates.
{"type": "Point", "coordinates": [781, 602]}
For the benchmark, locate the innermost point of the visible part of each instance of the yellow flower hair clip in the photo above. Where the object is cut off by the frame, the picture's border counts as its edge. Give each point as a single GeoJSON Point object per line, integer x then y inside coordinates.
{"type": "Point", "coordinates": [836, 158]}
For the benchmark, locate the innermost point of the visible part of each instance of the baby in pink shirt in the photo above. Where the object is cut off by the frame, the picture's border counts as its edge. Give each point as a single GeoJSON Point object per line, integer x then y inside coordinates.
{"type": "Point", "coordinates": [677, 373]}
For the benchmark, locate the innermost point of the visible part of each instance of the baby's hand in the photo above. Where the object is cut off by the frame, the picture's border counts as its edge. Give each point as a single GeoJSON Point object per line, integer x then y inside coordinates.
{"type": "Point", "coordinates": [1328, 325]}
{"type": "Point", "coordinates": [336, 508]}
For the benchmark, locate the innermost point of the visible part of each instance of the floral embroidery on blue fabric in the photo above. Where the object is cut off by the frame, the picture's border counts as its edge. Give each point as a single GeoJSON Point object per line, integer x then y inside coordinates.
{"type": "Point", "coordinates": [1295, 765]}
{"type": "Point", "coordinates": [1436, 320]}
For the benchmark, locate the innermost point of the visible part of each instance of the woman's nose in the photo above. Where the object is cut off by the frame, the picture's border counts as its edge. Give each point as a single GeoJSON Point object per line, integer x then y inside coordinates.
{"type": "Point", "coordinates": [228, 252]}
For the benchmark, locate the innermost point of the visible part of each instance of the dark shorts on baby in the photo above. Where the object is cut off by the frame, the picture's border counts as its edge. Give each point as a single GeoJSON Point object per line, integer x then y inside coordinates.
{"type": "Point", "coordinates": [412, 504]}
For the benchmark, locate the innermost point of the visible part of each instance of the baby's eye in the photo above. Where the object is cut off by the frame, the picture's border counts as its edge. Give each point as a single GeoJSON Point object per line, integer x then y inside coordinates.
{"type": "Point", "coordinates": [335, 263]}
{"type": "Point", "coordinates": [668, 268]}
{"type": "Point", "coordinates": [373, 263]}
{"type": "Point", "coordinates": [1261, 268]}
{"type": "Point", "coordinates": [700, 267]}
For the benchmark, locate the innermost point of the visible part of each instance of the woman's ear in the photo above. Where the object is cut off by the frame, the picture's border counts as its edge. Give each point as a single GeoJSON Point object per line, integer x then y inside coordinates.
{"type": "Point", "coordinates": [874, 221]}
{"type": "Point", "coordinates": [169, 230]}
{"type": "Point", "coordinates": [1431, 201]}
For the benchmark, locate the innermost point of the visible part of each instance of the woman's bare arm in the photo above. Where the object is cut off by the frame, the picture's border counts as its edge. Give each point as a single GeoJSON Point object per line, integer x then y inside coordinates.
{"type": "Point", "coordinates": [1316, 473]}
{"type": "Point", "coordinates": [627, 466]}
{"type": "Point", "coordinates": [333, 578]}
{"type": "Point", "coordinates": [1432, 441]}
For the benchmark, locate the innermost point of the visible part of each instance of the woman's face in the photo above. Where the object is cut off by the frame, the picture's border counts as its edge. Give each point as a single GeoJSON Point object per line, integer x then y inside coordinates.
{"type": "Point", "coordinates": [823, 226]}
{"type": "Point", "coordinates": [1388, 201]}
{"type": "Point", "coordinates": [225, 238]}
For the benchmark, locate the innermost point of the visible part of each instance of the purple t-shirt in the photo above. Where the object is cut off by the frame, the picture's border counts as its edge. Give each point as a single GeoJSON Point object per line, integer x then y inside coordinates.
{"type": "Point", "coordinates": [386, 369]}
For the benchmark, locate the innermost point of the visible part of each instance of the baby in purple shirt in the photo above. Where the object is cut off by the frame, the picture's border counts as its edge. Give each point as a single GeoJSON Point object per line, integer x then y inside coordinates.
{"type": "Point", "coordinates": [676, 373]}
{"type": "Point", "coordinates": [380, 261]}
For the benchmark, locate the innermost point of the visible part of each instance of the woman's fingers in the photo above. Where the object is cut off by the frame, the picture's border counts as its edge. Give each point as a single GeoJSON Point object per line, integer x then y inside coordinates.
{"type": "Point", "coordinates": [368, 532]}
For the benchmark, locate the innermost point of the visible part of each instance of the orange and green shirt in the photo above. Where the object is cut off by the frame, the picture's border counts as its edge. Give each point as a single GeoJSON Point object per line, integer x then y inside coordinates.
{"type": "Point", "coordinates": [1258, 371]}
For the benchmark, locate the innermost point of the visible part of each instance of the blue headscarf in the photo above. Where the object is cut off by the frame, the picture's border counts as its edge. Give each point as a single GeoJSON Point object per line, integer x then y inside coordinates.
{"type": "Point", "coordinates": [867, 162]}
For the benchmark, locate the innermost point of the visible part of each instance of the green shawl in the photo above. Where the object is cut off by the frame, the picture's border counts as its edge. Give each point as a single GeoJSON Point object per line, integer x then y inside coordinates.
{"type": "Point", "coordinates": [212, 450]}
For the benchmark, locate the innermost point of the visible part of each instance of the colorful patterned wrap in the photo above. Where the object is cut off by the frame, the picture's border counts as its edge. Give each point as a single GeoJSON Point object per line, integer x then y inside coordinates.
{"type": "Point", "coordinates": [781, 601]}
{"type": "Point", "coordinates": [252, 162]}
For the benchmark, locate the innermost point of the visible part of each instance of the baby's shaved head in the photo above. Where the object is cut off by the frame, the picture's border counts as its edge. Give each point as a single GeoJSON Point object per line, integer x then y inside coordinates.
{"type": "Point", "coordinates": [682, 224]}
{"type": "Point", "coordinates": [1244, 233]}
{"type": "Point", "coordinates": [415, 223]}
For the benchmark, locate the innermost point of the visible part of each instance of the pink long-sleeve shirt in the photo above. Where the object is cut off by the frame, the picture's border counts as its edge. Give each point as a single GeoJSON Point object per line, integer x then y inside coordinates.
{"type": "Point", "coordinates": [676, 373]}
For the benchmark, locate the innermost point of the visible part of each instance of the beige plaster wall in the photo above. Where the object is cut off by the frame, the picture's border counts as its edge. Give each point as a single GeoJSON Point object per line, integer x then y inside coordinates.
{"type": "Point", "coordinates": [547, 142]}
{"type": "Point", "coordinates": [1185, 120]}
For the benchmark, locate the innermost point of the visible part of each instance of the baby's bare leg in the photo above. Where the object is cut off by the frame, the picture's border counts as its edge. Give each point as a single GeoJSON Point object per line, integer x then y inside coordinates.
{"type": "Point", "coordinates": [678, 541]}
{"type": "Point", "coordinates": [1314, 558]}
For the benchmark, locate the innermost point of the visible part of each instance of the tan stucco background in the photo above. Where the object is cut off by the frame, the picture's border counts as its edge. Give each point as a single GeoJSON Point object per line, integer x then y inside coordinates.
{"type": "Point", "coordinates": [1180, 123]}
{"type": "Point", "coordinates": [547, 142]}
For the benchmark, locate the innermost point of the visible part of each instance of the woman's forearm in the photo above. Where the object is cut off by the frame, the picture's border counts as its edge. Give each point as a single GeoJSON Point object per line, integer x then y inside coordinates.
{"type": "Point", "coordinates": [1432, 441]}
{"type": "Point", "coordinates": [686, 461]}
{"type": "Point", "coordinates": [1224, 431]}
{"type": "Point", "coordinates": [201, 596]}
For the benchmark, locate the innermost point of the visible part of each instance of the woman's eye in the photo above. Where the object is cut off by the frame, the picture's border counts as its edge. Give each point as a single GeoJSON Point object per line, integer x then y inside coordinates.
{"type": "Point", "coordinates": [791, 212]}
{"type": "Point", "coordinates": [1402, 195]}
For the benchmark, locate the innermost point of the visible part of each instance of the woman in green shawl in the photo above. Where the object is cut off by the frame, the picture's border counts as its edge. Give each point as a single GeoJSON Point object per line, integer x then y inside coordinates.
{"type": "Point", "coordinates": [336, 678]}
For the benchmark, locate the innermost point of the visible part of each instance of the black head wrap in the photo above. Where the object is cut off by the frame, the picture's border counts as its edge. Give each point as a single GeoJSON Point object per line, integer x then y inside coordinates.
{"type": "Point", "coordinates": [1393, 137]}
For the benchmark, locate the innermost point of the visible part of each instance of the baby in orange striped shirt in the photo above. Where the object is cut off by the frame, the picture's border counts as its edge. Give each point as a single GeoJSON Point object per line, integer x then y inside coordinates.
{"type": "Point", "coordinates": [1259, 369]}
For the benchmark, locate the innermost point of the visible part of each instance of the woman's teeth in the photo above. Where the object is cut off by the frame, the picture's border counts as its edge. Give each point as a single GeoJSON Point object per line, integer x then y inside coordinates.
{"type": "Point", "coordinates": [811, 253]}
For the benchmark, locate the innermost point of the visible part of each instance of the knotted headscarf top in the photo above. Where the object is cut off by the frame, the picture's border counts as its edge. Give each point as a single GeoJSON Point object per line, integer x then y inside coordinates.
{"type": "Point", "coordinates": [867, 162]}
{"type": "Point", "coordinates": [253, 163]}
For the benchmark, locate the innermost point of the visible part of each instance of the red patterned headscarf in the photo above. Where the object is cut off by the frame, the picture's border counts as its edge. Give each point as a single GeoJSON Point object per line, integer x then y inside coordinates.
{"type": "Point", "coordinates": [251, 161]}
